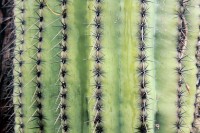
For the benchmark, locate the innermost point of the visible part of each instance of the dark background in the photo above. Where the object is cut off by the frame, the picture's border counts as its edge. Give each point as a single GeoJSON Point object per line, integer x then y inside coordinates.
{"type": "Point", "coordinates": [7, 36]}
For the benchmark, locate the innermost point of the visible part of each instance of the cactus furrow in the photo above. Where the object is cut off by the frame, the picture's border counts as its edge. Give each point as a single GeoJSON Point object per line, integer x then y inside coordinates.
{"type": "Point", "coordinates": [63, 70]}
{"type": "Point", "coordinates": [98, 70]}
{"type": "Point", "coordinates": [181, 54]}
{"type": "Point", "coordinates": [19, 93]}
{"type": "Point", "coordinates": [143, 68]}
{"type": "Point", "coordinates": [196, 115]}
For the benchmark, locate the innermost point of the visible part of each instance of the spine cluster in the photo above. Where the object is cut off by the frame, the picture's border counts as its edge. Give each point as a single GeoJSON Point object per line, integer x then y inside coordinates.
{"type": "Point", "coordinates": [196, 115]}
{"type": "Point", "coordinates": [19, 57]}
{"type": "Point", "coordinates": [142, 68]}
{"type": "Point", "coordinates": [63, 71]}
{"type": "Point", "coordinates": [181, 48]}
{"type": "Point", "coordinates": [97, 70]}
{"type": "Point", "coordinates": [38, 115]}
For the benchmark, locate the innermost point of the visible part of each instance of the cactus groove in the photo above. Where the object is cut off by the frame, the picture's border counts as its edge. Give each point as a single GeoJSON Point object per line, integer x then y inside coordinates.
{"type": "Point", "coordinates": [101, 66]}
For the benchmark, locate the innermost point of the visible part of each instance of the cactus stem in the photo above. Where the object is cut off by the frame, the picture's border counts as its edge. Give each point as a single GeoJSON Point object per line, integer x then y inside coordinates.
{"type": "Point", "coordinates": [181, 48]}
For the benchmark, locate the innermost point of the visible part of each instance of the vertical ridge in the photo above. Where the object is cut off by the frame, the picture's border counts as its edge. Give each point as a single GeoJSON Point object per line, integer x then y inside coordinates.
{"type": "Point", "coordinates": [64, 118]}
{"type": "Point", "coordinates": [19, 112]}
{"type": "Point", "coordinates": [181, 53]}
{"type": "Point", "coordinates": [98, 70]}
{"type": "Point", "coordinates": [38, 114]}
{"type": "Point", "coordinates": [143, 69]}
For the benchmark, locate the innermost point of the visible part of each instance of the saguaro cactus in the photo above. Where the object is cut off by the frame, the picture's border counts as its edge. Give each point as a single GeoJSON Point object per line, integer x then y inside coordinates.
{"type": "Point", "coordinates": [105, 66]}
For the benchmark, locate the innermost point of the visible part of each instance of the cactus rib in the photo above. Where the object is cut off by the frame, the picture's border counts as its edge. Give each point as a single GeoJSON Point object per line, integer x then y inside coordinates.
{"type": "Point", "coordinates": [38, 114]}
{"type": "Point", "coordinates": [63, 70]}
{"type": "Point", "coordinates": [181, 49]}
{"type": "Point", "coordinates": [19, 94]}
{"type": "Point", "coordinates": [142, 68]}
{"type": "Point", "coordinates": [97, 70]}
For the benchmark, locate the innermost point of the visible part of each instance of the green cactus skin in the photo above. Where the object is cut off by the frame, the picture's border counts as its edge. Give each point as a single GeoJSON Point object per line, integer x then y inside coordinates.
{"type": "Point", "coordinates": [85, 55]}
{"type": "Point", "coordinates": [165, 74]}
{"type": "Point", "coordinates": [128, 97]}
{"type": "Point", "coordinates": [79, 49]}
